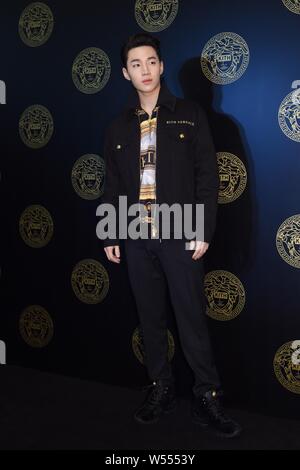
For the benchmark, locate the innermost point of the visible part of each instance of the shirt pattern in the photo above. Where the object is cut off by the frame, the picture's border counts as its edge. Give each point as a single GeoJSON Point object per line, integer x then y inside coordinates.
{"type": "Point", "coordinates": [147, 196]}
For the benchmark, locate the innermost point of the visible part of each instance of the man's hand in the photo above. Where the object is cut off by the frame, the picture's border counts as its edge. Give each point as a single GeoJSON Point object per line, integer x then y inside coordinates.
{"type": "Point", "coordinates": [113, 253]}
{"type": "Point", "coordinates": [199, 247]}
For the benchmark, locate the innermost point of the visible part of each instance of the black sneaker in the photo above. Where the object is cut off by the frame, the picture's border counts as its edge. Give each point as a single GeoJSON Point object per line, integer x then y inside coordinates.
{"type": "Point", "coordinates": [208, 412]}
{"type": "Point", "coordinates": [160, 400]}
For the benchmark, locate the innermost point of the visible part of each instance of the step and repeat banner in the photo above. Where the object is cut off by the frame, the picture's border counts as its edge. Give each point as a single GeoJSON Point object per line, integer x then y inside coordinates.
{"type": "Point", "coordinates": [65, 307]}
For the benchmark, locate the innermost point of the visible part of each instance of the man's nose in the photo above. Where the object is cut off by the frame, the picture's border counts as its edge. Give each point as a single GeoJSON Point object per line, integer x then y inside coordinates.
{"type": "Point", "coordinates": [145, 69]}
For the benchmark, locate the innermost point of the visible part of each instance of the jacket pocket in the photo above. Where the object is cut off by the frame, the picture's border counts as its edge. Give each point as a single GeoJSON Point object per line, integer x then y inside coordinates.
{"type": "Point", "coordinates": [122, 151]}
{"type": "Point", "coordinates": [120, 146]}
{"type": "Point", "coordinates": [180, 135]}
{"type": "Point", "coordinates": [179, 145]}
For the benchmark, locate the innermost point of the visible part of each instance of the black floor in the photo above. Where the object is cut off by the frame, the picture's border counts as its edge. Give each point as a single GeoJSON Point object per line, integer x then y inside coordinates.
{"type": "Point", "coordinates": [41, 411]}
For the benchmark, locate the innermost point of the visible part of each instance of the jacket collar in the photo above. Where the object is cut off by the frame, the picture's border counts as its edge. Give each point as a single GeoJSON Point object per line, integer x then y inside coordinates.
{"type": "Point", "coordinates": [165, 98]}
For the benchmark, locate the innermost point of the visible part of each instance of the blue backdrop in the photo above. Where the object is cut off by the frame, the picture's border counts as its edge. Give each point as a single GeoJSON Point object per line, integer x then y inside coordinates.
{"type": "Point", "coordinates": [94, 340]}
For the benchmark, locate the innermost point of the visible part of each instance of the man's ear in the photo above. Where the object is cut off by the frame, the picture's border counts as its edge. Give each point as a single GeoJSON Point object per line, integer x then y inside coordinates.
{"type": "Point", "coordinates": [161, 67]}
{"type": "Point", "coordinates": [125, 73]}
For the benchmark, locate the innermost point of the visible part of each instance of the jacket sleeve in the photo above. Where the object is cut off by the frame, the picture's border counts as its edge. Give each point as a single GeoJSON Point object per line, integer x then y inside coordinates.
{"type": "Point", "coordinates": [111, 183]}
{"type": "Point", "coordinates": [206, 174]}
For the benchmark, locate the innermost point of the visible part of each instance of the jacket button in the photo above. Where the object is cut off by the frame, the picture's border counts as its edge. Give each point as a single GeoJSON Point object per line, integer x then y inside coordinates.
{"type": "Point", "coordinates": [118, 146]}
{"type": "Point", "coordinates": [181, 136]}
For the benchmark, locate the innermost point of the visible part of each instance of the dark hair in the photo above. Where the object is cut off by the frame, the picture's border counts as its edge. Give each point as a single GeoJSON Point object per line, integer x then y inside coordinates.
{"type": "Point", "coordinates": [136, 40]}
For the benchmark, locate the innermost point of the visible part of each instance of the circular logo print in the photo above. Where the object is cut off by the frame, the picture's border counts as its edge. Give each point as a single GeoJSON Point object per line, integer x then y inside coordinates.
{"type": "Point", "coordinates": [289, 115]}
{"type": "Point", "coordinates": [36, 327]}
{"type": "Point", "coordinates": [288, 241]}
{"type": "Point", "coordinates": [225, 295]}
{"type": "Point", "coordinates": [36, 226]}
{"type": "Point", "coordinates": [293, 5]}
{"type": "Point", "coordinates": [36, 24]}
{"type": "Point", "coordinates": [36, 126]}
{"type": "Point", "coordinates": [90, 281]}
{"type": "Point", "coordinates": [138, 345]}
{"type": "Point", "coordinates": [287, 365]}
{"type": "Point", "coordinates": [91, 70]}
{"type": "Point", "coordinates": [88, 176]}
{"type": "Point", "coordinates": [225, 58]}
{"type": "Point", "coordinates": [233, 177]}
{"type": "Point", "coordinates": [155, 15]}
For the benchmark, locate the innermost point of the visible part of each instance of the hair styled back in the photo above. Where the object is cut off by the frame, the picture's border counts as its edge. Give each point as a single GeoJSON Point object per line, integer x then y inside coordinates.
{"type": "Point", "coordinates": [136, 40]}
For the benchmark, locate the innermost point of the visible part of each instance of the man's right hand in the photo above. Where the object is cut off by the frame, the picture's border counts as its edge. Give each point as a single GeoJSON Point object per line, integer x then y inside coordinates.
{"type": "Point", "coordinates": [113, 253]}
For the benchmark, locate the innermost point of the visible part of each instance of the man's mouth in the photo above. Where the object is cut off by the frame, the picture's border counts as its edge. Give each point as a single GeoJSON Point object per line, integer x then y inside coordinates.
{"type": "Point", "coordinates": [147, 81]}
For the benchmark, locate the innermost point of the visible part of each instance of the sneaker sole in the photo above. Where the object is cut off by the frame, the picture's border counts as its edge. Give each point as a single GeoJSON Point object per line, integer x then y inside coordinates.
{"type": "Point", "coordinates": [199, 422]}
{"type": "Point", "coordinates": [211, 430]}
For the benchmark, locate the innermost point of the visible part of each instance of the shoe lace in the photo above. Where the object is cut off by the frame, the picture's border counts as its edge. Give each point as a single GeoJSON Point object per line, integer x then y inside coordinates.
{"type": "Point", "coordinates": [156, 393]}
{"type": "Point", "coordinates": [145, 388]}
{"type": "Point", "coordinates": [215, 409]}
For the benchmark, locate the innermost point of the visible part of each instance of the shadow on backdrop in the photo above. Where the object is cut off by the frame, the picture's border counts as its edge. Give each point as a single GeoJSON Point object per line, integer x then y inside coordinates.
{"type": "Point", "coordinates": [232, 245]}
{"type": "Point", "coordinates": [234, 240]}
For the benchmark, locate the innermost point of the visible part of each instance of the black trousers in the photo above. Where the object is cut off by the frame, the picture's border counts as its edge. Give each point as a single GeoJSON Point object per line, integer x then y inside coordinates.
{"type": "Point", "coordinates": [155, 265]}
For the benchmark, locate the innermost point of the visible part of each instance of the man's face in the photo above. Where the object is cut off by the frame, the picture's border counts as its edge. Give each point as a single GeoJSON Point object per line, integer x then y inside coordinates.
{"type": "Point", "coordinates": [143, 68]}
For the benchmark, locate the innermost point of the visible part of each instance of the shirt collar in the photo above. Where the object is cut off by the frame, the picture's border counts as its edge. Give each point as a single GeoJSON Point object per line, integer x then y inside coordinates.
{"type": "Point", "coordinates": [165, 98]}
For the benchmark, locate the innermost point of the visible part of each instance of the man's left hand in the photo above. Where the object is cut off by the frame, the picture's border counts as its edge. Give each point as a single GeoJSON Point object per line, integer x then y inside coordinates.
{"type": "Point", "coordinates": [199, 247]}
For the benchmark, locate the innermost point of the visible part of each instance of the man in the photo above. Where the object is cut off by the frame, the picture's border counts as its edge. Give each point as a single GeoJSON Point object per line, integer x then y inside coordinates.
{"type": "Point", "coordinates": [160, 151]}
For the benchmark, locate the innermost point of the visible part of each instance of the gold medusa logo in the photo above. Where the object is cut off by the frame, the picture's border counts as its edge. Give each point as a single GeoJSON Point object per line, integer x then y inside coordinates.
{"type": "Point", "coordinates": [288, 241]}
{"type": "Point", "coordinates": [90, 281]}
{"type": "Point", "coordinates": [36, 326]}
{"type": "Point", "coordinates": [88, 176]}
{"type": "Point", "coordinates": [138, 345]}
{"type": "Point", "coordinates": [36, 226]}
{"type": "Point", "coordinates": [36, 24]}
{"type": "Point", "coordinates": [289, 115]}
{"type": "Point", "coordinates": [292, 5]}
{"type": "Point", "coordinates": [287, 365]}
{"type": "Point", "coordinates": [233, 177]}
{"type": "Point", "coordinates": [91, 70]}
{"type": "Point", "coordinates": [225, 58]}
{"type": "Point", "coordinates": [225, 295]}
{"type": "Point", "coordinates": [36, 126]}
{"type": "Point", "coordinates": [155, 15]}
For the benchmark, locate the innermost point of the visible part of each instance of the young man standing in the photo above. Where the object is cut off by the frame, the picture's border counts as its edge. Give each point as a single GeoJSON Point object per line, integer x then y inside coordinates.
{"type": "Point", "coordinates": [160, 151]}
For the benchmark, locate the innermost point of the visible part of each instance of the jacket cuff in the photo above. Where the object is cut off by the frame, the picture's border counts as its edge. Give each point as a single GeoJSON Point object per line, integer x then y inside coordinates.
{"type": "Point", "coordinates": [111, 242]}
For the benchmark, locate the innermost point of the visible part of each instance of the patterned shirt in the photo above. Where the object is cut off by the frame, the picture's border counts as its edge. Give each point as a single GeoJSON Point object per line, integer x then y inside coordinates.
{"type": "Point", "coordinates": [148, 125]}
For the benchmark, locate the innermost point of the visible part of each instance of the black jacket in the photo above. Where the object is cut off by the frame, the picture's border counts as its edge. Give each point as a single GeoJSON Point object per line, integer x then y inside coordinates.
{"type": "Point", "coordinates": [186, 167]}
